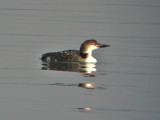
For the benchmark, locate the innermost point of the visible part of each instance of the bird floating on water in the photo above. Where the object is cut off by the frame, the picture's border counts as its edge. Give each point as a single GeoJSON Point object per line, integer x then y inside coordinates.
{"type": "Point", "coordinates": [82, 55]}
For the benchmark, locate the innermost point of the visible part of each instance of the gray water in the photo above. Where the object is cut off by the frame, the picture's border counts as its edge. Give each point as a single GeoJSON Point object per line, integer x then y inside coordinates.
{"type": "Point", "coordinates": [127, 75]}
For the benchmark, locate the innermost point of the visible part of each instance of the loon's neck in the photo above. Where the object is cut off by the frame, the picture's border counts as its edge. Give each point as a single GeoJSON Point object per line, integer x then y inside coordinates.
{"type": "Point", "coordinates": [86, 54]}
{"type": "Point", "coordinates": [87, 57]}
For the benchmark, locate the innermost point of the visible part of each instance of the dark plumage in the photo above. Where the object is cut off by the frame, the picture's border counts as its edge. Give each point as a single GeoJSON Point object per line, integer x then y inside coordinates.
{"type": "Point", "coordinates": [62, 56]}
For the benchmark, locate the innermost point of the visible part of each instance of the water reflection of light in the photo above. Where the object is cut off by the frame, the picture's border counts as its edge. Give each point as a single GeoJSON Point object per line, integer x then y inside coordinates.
{"type": "Point", "coordinates": [86, 109]}
{"type": "Point", "coordinates": [70, 67]}
{"type": "Point", "coordinates": [87, 67]}
{"type": "Point", "coordinates": [82, 85]}
{"type": "Point", "coordinates": [87, 85]}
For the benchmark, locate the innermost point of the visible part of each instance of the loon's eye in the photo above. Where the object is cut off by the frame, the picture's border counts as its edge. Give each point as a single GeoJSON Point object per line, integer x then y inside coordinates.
{"type": "Point", "coordinates": [92, 43]}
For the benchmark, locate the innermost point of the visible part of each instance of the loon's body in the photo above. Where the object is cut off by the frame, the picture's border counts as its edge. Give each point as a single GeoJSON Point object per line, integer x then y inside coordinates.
{"type": "Point", "coordinates": [82, 55]}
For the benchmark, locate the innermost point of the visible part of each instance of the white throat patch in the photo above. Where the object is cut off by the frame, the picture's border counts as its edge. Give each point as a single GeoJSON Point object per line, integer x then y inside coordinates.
{"type": "Point", "coordinates": [90, 49]}
{"type": "Point", "coordinates": [89, 59]}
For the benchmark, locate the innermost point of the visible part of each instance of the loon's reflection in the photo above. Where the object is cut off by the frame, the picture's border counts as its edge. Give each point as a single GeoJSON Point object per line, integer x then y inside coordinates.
{"type": "Point", "coordinates": [70, 67]}
{"type": "Point", "coordinates": [87, 69]}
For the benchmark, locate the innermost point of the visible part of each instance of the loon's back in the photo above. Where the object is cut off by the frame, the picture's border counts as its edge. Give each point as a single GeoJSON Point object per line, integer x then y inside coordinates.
{"type": "Point", "coordinates": [62, 56]}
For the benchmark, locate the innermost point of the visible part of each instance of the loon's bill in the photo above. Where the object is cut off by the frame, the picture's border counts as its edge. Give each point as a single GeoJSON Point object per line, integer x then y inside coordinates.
{"type": "Point", "coordinates": [82, 55]}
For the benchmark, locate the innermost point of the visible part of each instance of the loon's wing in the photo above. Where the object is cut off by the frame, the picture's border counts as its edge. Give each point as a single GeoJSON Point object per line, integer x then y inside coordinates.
{"type": "Point", "coordinates": [63, 56]}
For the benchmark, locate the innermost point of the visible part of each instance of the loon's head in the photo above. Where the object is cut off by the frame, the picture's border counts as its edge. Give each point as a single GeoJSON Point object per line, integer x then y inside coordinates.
{"type": "Point", "coordinates": [88, 46]}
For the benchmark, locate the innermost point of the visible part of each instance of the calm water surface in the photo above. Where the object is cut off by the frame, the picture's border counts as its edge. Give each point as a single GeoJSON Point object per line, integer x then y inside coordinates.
{"type": "Point", "coordinates": [126, 79]}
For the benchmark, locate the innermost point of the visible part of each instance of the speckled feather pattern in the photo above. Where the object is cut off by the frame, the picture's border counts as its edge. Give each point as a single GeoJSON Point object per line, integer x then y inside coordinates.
{"type": "Point", "coordinates": [62, 56]}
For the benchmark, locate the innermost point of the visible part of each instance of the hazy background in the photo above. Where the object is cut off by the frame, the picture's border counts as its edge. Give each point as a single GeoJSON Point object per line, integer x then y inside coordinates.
{"type": "Point", "coordinates": [129, 70]}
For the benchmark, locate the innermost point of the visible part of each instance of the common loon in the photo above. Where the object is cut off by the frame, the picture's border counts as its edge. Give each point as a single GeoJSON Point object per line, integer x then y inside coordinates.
{"type": "Point", "coordinates": [82, 55]}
